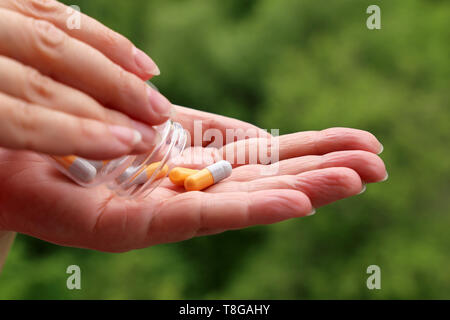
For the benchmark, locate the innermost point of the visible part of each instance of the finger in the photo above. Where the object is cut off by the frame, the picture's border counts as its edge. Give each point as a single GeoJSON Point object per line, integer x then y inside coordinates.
{"type": "Point", "coordinates": [208, 129]}
{"type": "Point", "coordinates": [40, 44]}
{"type": "Point", "coordinates": [125, 225]}
{"type": "Point", "coordinates": [260, 150]}
{"type": "Point", "coordinates": [29, 85]}
{"type": "Point", "coordinates": [208, 232]}
{"type": "Point", "coordinates": [31, 127]}
{"type": "Point", "coordinates": [369, 166]}
{"type": "Point", "coordinates": [322, 186]}
{"type": "Point", "coordinates": [181, 217]}
{"type": "Point", "coordinates": [299, 144]}
{"type": "Point", "coordinates": [113, 45]}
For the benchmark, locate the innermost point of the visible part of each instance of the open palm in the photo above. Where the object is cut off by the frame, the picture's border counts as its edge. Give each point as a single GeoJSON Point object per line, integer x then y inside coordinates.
{"type": "Point", "coordinates": [315, 169]}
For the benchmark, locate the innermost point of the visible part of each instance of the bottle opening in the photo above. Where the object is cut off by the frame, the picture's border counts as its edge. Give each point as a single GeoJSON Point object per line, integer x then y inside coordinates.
{"type": "Point", "coordinates": [129, 176]}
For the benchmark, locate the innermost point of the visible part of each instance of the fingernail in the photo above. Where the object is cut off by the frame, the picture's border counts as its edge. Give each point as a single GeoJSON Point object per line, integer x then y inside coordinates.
{"type": "Point", "coordinates": [151, 84]}
{"type": "Point", "coordinates": [313, 212]}
{"type": "Point", "coordinates": [381, 150]}
{"type": "Point", "coordinates": [149, 135]}
{"type": "Point", "coordinates": [126, 135]}
{"type": "Point", "coordinates": [173, 113]}
{"type": "Point", "coordinates": [385, 178]}
{"type": "Point", "coordinates": [159, 103]}
{"type": "Point", "coordinates": [363, 189]}
{"type": "Point", "coordinates": [145, 63]}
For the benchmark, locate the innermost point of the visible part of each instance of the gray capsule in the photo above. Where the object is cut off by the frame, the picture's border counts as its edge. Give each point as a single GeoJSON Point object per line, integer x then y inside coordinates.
{"type": "Point", "coordinates": [79, 168]}
{"type": "Point", "coordinates": [128, 173]}
{"type": "Point", "coordinates": [98, 164]}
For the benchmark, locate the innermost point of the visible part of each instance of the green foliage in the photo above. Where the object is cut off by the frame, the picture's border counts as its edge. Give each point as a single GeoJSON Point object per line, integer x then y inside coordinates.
{"type": "Point", "coordinates": [294, 65]}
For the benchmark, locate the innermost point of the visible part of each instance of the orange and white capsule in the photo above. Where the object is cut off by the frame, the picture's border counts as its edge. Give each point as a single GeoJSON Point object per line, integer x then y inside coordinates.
{"type": "Point", "coordinates": [178, 175]}
{"type": "Point", "coordinates": [98, 164]}
{"type": "Point", "coordinates": [142, 176]}
{"type": "Point", "coordinates": [79, 168]}
{"type": "Point", "coordinates": [208, 176]}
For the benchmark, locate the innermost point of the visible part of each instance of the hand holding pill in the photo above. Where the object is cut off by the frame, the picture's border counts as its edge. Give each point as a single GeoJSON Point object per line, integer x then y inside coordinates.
{"type": "Point", "coordinates": [80, 94]}
{"type": "Point", "coordinates": [307, 178]}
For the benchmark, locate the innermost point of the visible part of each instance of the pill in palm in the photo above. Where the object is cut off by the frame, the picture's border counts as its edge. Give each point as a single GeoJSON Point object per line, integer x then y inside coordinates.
{"type": "Point", "coordinates": [178, 175]}
{"type": "Point", "coordinates": [128, 173]}
{"type": "Point", "coordinates": [79, 168]}
{"type": "Point", "coordinates": [144, 174]}
{"type": "Point", "coordinates": [98, 164]}
{"type": "Point", "coordinates": [147, 173]}
{"type": "Point", "coordinates": [208, 176]}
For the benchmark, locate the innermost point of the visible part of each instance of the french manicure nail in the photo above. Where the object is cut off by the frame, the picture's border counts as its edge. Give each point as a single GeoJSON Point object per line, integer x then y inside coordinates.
{"type": "Point", "coordinates": [313, 212]}
{"type": "Point", "coordinates": [149, 135]}
{"type": "Point", "coordinates": [126, 135]}
{"type": "Point", "coordinates": [363, 189]}
{"type": "Point", "coordinates": [173, 113]}
{"type": "Point", "coordinates": [381, 150]}
{"type": "Point", "coordinates": [385, 178]}
{"type": "Point", "coordinates": [145, 63]}
{"type": "Point", "coordinates": [159, 103]}
{"type": "Point", "coordinates": [151, 84]}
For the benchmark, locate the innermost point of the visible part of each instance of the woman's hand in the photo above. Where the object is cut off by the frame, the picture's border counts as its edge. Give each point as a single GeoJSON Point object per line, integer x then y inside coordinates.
{"type": "Point", "coordinates": [73, 91]}
{"type": "Point", "coordinates": [315, 169]}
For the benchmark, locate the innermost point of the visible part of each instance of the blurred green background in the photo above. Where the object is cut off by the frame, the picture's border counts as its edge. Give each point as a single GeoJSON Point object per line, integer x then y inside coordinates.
{"type": "Point", "coordinates": [294, 65]}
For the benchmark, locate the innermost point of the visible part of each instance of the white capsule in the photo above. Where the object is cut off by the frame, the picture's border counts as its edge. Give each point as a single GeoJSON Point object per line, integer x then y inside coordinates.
{"type": "Point", "coordinates": [145, 174]}
{"type": "Point", "coordinates": [208, 176]}
{"type": "Point", "coordinates": [220, 170]}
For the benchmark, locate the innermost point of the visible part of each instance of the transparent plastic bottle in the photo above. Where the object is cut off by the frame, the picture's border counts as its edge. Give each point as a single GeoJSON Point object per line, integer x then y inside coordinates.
{"type": "Point", "coordinates": [129, 176]}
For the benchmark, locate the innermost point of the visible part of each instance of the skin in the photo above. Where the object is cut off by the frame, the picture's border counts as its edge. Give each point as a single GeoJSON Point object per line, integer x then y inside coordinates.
{"type": "Point", "coordinates": [46, 81]}
{"type": "Point", "coordinates": [51, 102]}
{"type": "Point", "coordinates": [315, 169]}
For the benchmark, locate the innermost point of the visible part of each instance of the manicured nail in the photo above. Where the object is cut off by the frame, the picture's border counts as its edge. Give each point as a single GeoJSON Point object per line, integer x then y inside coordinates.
{"type": "Point", "coordinates": [145, 63]}
{"type": "Point", "coordinates": [313, 212]}
{"type": "Point", "coordinates": [363, 189]}
{"type": "Point", "coordinates": [385, 178]}
{"type": "Point", "coordinates": [126, 135]}
{"type": "Point", "coordinates": [381, 150]}
{"type": "Point", "coordinates": [173, 113]}
{"type": "Point", "coordinates": [149, 135]}
{"type": "Point", "coordinates": [151, 84]}
{"type": "Point", "coordinates": [159, 103]}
